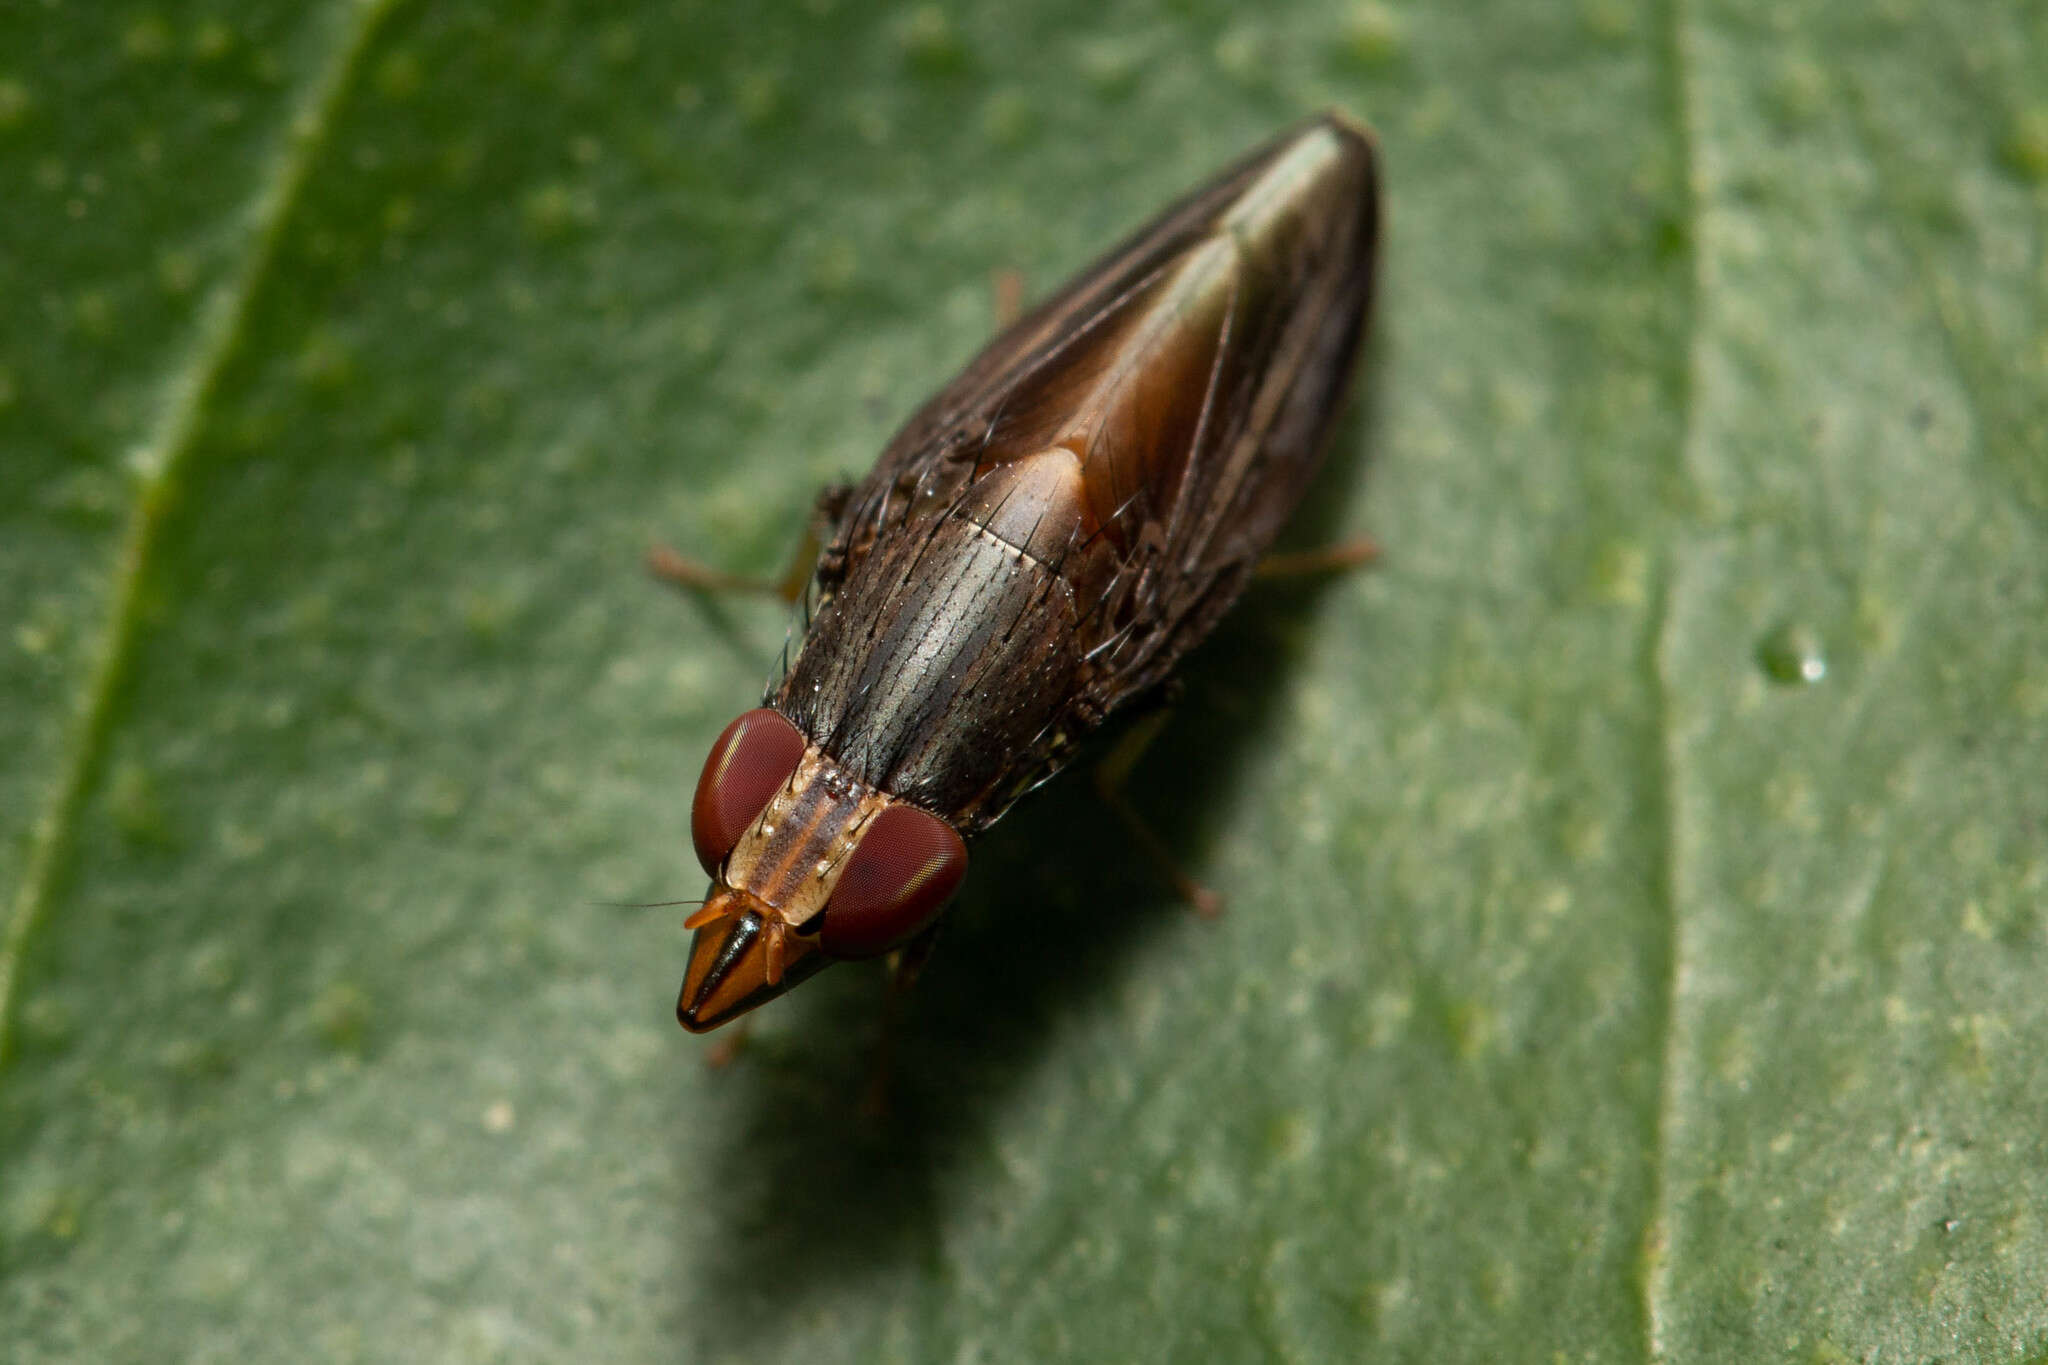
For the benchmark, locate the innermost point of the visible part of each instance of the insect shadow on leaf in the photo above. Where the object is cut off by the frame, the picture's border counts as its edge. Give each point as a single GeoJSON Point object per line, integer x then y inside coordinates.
{"type": "Point", "coordinates": [1042, 934]}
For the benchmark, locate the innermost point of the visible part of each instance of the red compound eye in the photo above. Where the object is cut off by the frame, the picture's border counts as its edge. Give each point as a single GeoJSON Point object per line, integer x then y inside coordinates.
{"type": "Point", "coordinates": [902, 870]}
{"type": "Point", "coordinates": [749, 764]}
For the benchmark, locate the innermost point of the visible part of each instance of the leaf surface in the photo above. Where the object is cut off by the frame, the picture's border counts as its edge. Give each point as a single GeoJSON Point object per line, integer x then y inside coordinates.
{"type": "Point", "coordinates": [1638, 897]}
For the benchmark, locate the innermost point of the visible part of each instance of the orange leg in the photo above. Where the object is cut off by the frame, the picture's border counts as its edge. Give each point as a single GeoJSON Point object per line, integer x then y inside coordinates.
{"type": "Point", "coordinates": [695, 576]}
{"type": "Point", "coordinates": [1348, 554]}
{"type": "Point", "coordinates": [1110, 775]}
{"type": "Point", "coordinates": [721, 1052]}
{"type": "Point", "coordinates": [904, 965]}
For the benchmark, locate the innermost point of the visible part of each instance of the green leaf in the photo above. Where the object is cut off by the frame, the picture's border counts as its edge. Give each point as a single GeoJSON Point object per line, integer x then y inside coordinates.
{"type": "Point", "coordinates": [1638, 881]}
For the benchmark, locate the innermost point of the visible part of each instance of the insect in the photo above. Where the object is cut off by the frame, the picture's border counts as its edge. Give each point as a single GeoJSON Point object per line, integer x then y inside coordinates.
{"type": "Point", "coordinates": [1033, 552]}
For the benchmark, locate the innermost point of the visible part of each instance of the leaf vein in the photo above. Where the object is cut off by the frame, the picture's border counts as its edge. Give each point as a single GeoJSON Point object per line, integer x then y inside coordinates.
{"type": "Point", "coordinates": [1682, 110]}
{"type": "Point", "coordinates": [158, 465]}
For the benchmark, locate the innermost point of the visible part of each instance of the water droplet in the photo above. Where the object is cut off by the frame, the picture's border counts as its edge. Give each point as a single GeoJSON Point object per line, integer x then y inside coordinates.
{"type": "Point", "coordinates": [1792, 654]}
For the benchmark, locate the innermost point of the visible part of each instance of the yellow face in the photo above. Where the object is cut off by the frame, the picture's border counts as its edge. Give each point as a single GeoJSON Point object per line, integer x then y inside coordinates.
{"type": "Point", "coordinates": [808, 866]}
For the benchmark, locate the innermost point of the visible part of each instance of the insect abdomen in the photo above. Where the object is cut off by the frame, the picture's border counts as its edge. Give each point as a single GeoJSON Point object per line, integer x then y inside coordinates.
{"type": "Point", "coordinates": [929, 673]}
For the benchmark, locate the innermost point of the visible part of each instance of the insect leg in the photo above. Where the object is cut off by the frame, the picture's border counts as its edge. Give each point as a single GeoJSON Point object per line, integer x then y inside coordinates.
{"type": "Point", "coordinates": [1006, 293]}
{"type": "Point", "coordinates": [726, 1047]}
{"type": "Point", "coordinates": [1110, 775]}
{"type": "Point", "coordinates": [904, 965]}
{"type": "Point", "coordinates": [1345, 554]}
{"type": "Point", "coordinates": [683, 572]}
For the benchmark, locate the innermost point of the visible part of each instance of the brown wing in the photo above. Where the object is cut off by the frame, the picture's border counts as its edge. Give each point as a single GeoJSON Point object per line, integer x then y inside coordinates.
{"type": "Point", "coordinates": [1200, 403]}
{"type": "Point", "coordinates": [1193, 369]}
{"type": "Point", "coordinates": [1191, 377]}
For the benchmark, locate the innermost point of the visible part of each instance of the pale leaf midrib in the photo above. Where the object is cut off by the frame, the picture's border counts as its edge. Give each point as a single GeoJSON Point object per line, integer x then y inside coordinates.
{"type": "Point", "coordinates": [158, 464]}
{"type": "Point", "coordinates": [1682, 107]}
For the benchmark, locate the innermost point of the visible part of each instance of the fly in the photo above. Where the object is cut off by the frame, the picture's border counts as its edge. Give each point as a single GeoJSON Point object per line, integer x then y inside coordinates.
{"type": "Point", "coordinates": [1034, 552]}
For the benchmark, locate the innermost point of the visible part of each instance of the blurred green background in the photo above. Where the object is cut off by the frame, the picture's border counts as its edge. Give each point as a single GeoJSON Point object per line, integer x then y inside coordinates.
{"type": "Point", "coordinates": [1638, 882]}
